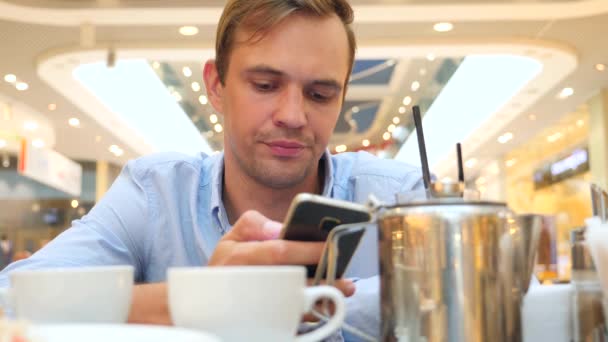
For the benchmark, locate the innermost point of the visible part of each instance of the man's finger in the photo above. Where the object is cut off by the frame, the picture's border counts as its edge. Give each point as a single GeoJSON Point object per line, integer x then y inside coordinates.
{"type": "Point", "coordinates": [253, 226]}
{"type": "Point", "coordinates": [272, 252]}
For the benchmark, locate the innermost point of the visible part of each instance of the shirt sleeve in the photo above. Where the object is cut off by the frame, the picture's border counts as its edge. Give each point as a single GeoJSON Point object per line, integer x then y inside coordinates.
{"type": "Point", "coordinates": [110, 234]}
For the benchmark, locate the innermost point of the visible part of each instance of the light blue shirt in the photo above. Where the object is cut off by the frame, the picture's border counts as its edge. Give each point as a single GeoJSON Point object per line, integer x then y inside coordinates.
{"type": "Point", "coordinates": [166, 210]}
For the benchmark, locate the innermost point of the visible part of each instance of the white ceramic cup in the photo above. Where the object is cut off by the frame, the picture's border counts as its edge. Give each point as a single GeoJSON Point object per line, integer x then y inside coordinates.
{"type": "Point", "coordinates": [249, 303]}
{"type": "Point", "coordinates": [80, 295]}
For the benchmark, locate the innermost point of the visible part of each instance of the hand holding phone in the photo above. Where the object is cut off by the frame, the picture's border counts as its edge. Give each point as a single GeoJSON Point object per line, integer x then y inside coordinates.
{"type": "Point", "coordinates": [312, 217]}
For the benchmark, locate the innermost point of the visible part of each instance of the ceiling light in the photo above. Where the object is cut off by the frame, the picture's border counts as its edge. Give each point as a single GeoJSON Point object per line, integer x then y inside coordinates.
{"type": "Point", "coordinates": [443, 27]}
{"type": "Point", "coordinates": [396, 120]}
{"type": "Point", "coordinates": [415, 86]}
{"type": "Point", "coordinates": [213, 118]}
{"type": "Point", "coordinates": [401, 110]}
{"type": "Point", "coordinates": [422, 72]}
{"type": "Point", "coordinates": [481, 180]}
{"type": "Point", "coordinates": [470, 163]}
{"type": "Point", "coordinates": [74, 122]}
{"type": "Point", "coordinates": [196, 86]}
{"type": "Point", "coordinates": [21, 86]}
{"type": "Point", "coordinates": [341, 148]}
{"type": "Point", "coordinates": [365, 143]}
{"type": "Point", "coordinates": [155, 65]}
{"type": "Point", "coordinates": [505, 138]}
{"type": "Point", "coordinates": [600, 67]}
{"type": "Point", "coordinates": [355, 109]}
{"type": "Point", "coordinates": [218, 128]}
{"type": "Point", "coordinates": [532, 117]}
{"type": "Point", "coordinates": [565, 93]}
{"type": "Point", "coordinates": [511, 162]}
{"type": "Point", "coordinates": [98, 138]}
{"type": "Point", "coordinates": [177, 96]}
{"type": "Point", "coordinates": [38, 143]}
{"type": "Point", "coordinates": [391, 128]}
{"type": "Point", "coordinates": [52, 106]}
{"type": "Point", "coordinates": [10, 78]}
{"type": "Point", "coordinates": [580, 123]}
{"type": "Point", "coordinates": [386, 136]}
{"type": "Point", "coordinates": [554, 137]}
{"type": "Point", "coordinates": [188, 30]}
{"type": "Point", "coordinates": [430, 57]}
{"type": "Point", "coordinates": [30, 125]}
{"type": "Point", "coordinates": [187, 71]}
{"type": "Point", "coordinates": [2, 143]}
{"type": "Point", "coordinates": [74, 204]}
{"type": "Point", "coordinates": [117, 151]}
{"type": "Point", "coordinates": [407, 101]}
{"type": "Point", "coordinates": [203, 99]}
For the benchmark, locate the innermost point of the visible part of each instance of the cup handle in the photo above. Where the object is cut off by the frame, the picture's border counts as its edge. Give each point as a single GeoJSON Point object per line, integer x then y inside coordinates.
{"type": "Point", "coordinates": [6, 300]}
{"type": "Point", "coordinates": [312, 295]}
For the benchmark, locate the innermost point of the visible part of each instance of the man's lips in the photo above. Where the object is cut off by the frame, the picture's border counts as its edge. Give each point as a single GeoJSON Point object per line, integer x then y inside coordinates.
{"type": "Point", "coordinates": [286, 148]}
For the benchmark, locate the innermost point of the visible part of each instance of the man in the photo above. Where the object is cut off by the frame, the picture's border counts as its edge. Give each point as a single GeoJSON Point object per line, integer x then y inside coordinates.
{"type": "Point", "coordinates": [279, 80]}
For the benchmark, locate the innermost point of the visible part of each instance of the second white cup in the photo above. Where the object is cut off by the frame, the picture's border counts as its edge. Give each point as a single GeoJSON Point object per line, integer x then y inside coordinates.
{"type": "Point", "coordinates": [70, 295]}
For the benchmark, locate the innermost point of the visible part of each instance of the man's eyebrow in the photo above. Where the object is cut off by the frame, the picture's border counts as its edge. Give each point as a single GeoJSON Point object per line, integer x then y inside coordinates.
{"type": "Point", "coordinates": [264, 69]}
{"type": "Point", "coordinates": [328, 83]}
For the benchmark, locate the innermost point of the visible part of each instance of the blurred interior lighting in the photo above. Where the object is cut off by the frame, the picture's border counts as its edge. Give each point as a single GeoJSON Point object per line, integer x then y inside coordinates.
{"type": "Point", "coordinates": [401, 110]}
{"type": "Point", "coordinates": [386, 136]}
{"type": "Point", "coordinates": [187, 71]}
{"type": "Point", "coordinates": [52, 106]}
{"type": "Point", "coordinates": [470, 163]}
{"type": "Point", "coordinates": [74, 204]}
{"type": "Point", "coordinates": [505, 138]}
{"type": "Point", "coordinates": [2, 143]}
{"type": "Point", "coordinates": [74, 122]}
{"type": "Point", "coordinates": [10, 78]}
{"type": "Point", "coordinates": [203, 100]}
{"type": "Point", "coordinates": [213, 118]}
{"type": "Point", "coordinates": [443, 27]}
{"type": "Point", "coordinates": [188, 30]}
{"type": "Point", "coordinates": [38, 143]}
{"type": "Point", "coordinates": [565, 93]}
{"type": "Point", "coordinates": [415, 86]}
{"type": "Point", "coordinates": [407, 100]}
{"type": "Point", "coordinates": [580, 123]}
{"type": "Point", "coordinates": [430, 57]}
{"type": "Point", "coordinates": [365, 143]}
{"type": "Point", "coordinates": [511, 162]}
{"type": "Point", "coordinates": [30, 125]}
{"type": "Point", "coordinates": [355, 109]}
{"type": "Point", "coordinates": [196, 87]}
{"type": "Point", "coordinates": [600, 67]}
{"type": "Point", "coordinates": [396, 120]}
{"type": "Point", "coordinates": [218, 128]}
{"type": "Point", "coordinates": [341, 148]}
{"type": "Point", "coordinates": [21, 86]}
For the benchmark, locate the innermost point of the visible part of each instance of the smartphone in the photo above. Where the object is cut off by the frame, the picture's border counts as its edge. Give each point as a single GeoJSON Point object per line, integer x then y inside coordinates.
{"type": "Point", "coordinates": [311, 218]}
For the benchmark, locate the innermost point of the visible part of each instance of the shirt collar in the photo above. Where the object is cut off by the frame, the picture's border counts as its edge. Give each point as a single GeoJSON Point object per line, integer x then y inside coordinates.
{"type": "Point", "coordinates": [217, 177]}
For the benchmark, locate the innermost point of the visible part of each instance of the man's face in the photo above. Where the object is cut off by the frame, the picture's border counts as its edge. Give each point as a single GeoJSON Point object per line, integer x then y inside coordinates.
{"type": "Point", "coordinates": [282, 98]}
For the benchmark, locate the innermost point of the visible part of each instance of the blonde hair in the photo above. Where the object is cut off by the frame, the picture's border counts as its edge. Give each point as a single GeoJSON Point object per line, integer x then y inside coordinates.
{"type": "Point", "coordinates": [259, 16]}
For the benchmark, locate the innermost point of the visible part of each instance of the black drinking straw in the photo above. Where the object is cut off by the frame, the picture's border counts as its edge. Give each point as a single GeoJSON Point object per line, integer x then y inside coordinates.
{"type": "Point", "coordinates": [426, 174]}
{"type": "Point", "coordinates": [460, 168]}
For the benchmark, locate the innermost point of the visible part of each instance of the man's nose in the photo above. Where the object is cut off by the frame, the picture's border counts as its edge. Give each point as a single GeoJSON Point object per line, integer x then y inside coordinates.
{"type": "Point", "coordinates": [291, 112]}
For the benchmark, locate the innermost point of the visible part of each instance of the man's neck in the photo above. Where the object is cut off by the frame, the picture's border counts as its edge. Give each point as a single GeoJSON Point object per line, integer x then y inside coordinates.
{"type": "Point", "coordinates": [241, 193]}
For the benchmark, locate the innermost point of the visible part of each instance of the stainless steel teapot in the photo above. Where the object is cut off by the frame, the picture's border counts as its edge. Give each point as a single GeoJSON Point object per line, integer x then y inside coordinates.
{"type": "Point", "coordinates": [450, 269]}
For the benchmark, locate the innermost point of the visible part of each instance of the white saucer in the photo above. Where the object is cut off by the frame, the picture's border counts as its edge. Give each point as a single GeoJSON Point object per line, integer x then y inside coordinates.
{"type": "Point", "coordinates": [115, 333]}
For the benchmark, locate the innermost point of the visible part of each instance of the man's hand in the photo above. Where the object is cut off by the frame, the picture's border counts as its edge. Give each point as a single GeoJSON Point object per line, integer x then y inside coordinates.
{"type": "Point", "coordinates": [251, 241]}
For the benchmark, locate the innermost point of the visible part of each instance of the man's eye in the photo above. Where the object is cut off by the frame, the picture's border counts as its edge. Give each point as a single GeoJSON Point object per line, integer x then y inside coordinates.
{"type": "Point", "coordinates": [321, 96]}
{"type": "Point", "coordinates": [263, 86]}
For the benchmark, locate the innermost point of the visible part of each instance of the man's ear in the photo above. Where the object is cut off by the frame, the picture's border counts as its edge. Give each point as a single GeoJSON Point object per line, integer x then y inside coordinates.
{"type": "Point", "coordinates": [214, 87]}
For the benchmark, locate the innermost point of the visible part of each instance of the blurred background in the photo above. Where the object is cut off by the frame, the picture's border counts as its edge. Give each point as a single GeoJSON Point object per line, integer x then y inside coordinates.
{"type": "Point", "coordinates": [86, 85]}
